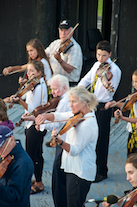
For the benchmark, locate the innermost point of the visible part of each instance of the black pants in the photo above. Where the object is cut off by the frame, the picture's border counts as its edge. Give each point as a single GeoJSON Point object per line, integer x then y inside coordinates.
{"type": "Point", "coordinates": [34, 141]}
{"type": "Point", "coordinates": [77, 190]}
{"type": "Point", "coordinates": [58, 181]}
{"type": "Point", "coordinates": [103, 119]}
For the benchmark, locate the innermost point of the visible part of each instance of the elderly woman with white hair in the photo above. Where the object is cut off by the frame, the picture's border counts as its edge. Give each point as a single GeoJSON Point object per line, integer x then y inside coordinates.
{"type": "Point", "coordinates": [79, 157]}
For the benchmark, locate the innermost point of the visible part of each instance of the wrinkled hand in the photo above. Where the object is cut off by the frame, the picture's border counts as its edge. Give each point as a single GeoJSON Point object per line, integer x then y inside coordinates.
{"type": "Point", "coordinates": [57, 56]}
{"type": "Point", "coordinates": [7, 70]}
{"type": "Point", "coordinates": [40, 119]}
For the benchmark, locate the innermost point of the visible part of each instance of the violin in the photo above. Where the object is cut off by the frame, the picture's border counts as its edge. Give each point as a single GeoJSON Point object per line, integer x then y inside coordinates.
{"type": "Point", "coordinates": [130, 100]}
{"type": "Point", "coordinates": [4, 164]}
{"type": "Point", "coordinates": [29, 85]}
{"type": "Point", "coordinates": [132, 196]}
{"type": "Point", "coordinates": [65, 46]}
{"type": "Point", "coordinates": [72, 122]}
{"type": "Point", "coordinates": [105, 74]}
{"type": "Point", "coordinates": [48, 107]}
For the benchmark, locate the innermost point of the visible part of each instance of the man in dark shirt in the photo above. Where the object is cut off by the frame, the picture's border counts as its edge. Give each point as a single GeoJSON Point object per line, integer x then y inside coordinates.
{"type": "Point", "coordinates": [15, 183]}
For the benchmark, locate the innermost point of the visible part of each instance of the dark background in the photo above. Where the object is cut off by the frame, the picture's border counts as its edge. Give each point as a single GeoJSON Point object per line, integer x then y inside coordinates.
{"type": "Point", "coordinates": [21, 21]}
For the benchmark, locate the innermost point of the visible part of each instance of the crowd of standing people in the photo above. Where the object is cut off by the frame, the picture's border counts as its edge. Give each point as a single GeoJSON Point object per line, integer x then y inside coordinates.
{"type": "Point", "coordinates": [82, 141]}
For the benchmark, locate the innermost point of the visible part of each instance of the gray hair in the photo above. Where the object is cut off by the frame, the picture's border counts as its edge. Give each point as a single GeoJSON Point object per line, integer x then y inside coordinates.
{"type": "Point", "coordinates": [84, 95]}
{"type": "Point", "coordinates": [62, 80]}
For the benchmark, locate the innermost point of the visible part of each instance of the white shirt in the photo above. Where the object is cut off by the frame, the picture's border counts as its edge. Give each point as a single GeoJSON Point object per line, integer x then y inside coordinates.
{"type": "Point", "coordinates": [63, 106]}
{"type": "Point", "coordinates": [35, 98]}
{"type": "Point", "coordinates": [103, 95]}
{"type": "Point", "coordinates": [73, 57]}
{"type": "Point", "coordinates": [47, 69]}
{"type": "Point", "coordinates": [81, 160]}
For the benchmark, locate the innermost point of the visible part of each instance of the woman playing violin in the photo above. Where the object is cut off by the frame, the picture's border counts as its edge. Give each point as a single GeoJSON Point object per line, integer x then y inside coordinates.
{"type": "Point", "coordinates": [79, 157]}
{"type": "Point", "coordinates": [34, 138]}
{"type": "Point", "coordinates": [132, 119]}
{"type": "Point", "coordinates": [131, 171]}
{"type": "Point", "coordinates": [35, 51]}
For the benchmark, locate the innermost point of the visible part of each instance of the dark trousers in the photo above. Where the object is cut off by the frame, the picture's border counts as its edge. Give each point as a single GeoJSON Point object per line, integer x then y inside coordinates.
{"type": "Point", "coordinates": [34, 141]}
{"type": "Point", "coordinates": [58, 181]}
{"type": "Point", "coordinates": [77, 190]}
{"type": "Point", "coordinates": [103, 119]}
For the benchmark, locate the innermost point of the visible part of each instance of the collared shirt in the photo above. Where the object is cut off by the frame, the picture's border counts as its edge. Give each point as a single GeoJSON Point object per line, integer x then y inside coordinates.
{"type": "Point", "coordinates": [63, 106]}
{"type": "Point", "coordinates": [103, 95]}
{"type": "Point", "coordinates": [73, 57]}
{"type": "Point", "coordinates": [47, 69]}
{"type": "Point", "coordinates": [35, 98]}
{"type": "Point", "coordinates": [81, 160]}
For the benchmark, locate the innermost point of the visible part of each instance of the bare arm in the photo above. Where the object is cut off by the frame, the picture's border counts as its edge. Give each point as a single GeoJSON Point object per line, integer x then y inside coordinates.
{"type": "Point", "coordinates": [68, 68]}
{"type": "Point", "coordinates": [10, 69]}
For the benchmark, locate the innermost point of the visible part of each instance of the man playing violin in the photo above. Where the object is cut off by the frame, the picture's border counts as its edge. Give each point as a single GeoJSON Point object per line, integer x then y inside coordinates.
{"type": "Point", "coordinates": [103, 94]}
{"type": "Point", "coordinates": [131, 171]}
{"type": "Point", "coordinates": [131, 104]}
{"type": "Point", "coordinates": [69, 61]}
{"type": "Point", "coordinates": [16, 169]}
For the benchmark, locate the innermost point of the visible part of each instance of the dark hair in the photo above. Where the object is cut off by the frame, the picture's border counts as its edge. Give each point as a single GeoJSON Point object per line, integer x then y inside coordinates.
{"type": "Point", "coordinates": [3, 106]}
{"type": "Point", "coordinates": [35, 43]}
{"type": "Point", "coordinates": [132, 158]}
{"type": "Point", "coordinates": [38, 66]}
{"type": "Point", "coordinates": [104, 45]}
{"type": "Point", "coordinates": [3, 111]}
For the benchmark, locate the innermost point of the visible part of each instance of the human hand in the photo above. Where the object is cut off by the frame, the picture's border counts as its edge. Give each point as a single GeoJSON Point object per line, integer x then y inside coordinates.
{"type": "Point", "coordinates": [13, 98]}
{"type": "Point", "coordinates": [105, 204]}
{"type": "Point", "coordinates": [57, 56]}
{"type": "Point", "coordinates": [7, 70]}
{"type": "Point", "coordinates": [109, 103]}
{"type": "Point", "coordinates": [22, 81]}
{"type": "Point", "coordinates": [118, 113]}
{"type": "Point", "coordinates": [40, 119]}
{"type": "Point", "coordinates": [28, 118]}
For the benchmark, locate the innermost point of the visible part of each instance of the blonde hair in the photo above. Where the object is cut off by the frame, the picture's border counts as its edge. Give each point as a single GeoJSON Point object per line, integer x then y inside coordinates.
{"type": "Point", "coordinates": [83, 95]}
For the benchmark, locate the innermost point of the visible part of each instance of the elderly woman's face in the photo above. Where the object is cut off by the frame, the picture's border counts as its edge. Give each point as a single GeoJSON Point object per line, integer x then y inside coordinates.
{"type": "Point", "coordinates": [75, 104]}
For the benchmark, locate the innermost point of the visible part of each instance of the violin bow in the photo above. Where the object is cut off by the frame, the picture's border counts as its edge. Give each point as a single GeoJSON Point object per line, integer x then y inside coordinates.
{"type": "Point", "coordinates": [114, 60]}
{"type": "Point", "coordinates": [64, 120]}
{"type": "Point", "coordinates": [66, 37]}
{"type": "Point", "coordinates": [16, 71]}
{"type": "Point", "coordinates": [129, 96]}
